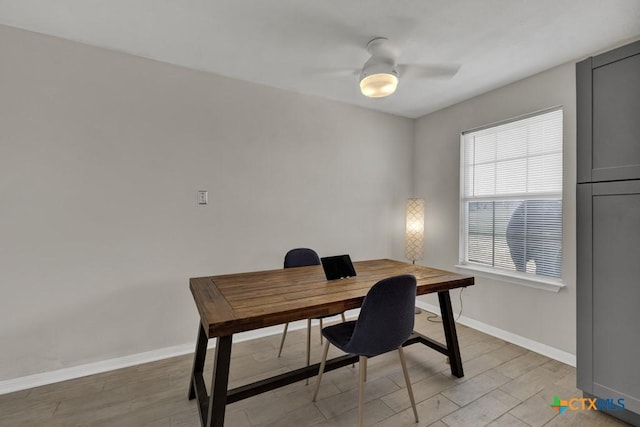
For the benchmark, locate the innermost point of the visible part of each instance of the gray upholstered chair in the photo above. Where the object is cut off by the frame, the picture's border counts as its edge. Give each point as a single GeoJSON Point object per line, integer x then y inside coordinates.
{"type": "Point", "coordinates": [385, 322]}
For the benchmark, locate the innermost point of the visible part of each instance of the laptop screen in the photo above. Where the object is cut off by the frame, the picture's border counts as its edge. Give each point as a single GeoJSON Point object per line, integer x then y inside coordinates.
{"type": "Point", "coordinates": [338, 267]}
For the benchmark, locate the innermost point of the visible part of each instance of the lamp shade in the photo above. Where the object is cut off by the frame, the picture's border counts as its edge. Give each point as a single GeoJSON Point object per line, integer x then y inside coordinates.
{"type": "Point", "coordinates": [414, 249]}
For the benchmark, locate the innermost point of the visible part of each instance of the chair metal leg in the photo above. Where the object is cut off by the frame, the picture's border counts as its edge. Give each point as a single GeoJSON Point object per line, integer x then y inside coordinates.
{"type": "Point", "coordinates": [406, 379]}
{"type": "Point", "coordinates": [320, 331]}
{"type": "Point", "coordinates": [321, 370]}
{"type": "Point", "coordinates": [308, 346]}
{"type": "Point", "coordinates": [363, 373]}
{"type": "Point", "coordinates": [365, 369]}
{"type": "Point", "coordinates": [284, 335]}
{"type": "Point", "coordinates": [344, 320]}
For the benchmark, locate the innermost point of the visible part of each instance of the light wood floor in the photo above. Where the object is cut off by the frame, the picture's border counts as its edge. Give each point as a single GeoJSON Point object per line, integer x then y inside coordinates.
{"type": "Point", "coordinates": [504, 385]}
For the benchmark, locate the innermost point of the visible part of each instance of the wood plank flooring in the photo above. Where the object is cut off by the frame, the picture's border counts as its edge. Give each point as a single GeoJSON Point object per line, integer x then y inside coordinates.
{"type": "Point", "coordinates": [504, 385]}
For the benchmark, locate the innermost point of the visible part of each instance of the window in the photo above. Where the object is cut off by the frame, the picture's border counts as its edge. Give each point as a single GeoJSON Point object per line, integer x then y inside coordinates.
{"type": "Point", "coordinates": [511, 197]}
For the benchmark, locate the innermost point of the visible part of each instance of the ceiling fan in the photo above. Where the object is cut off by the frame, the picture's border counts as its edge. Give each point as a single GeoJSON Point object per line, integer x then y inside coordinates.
{"type": "Point", "coordinates": [381, 74]}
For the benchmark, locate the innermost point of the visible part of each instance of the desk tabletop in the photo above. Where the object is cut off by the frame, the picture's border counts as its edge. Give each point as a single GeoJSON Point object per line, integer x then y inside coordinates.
{"type": "Point", "coordinates": [240, 302]}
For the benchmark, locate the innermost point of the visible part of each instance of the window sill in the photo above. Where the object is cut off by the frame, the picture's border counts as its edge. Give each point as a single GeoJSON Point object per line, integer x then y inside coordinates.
{"type": "Point", "coordinates": [517, 278]}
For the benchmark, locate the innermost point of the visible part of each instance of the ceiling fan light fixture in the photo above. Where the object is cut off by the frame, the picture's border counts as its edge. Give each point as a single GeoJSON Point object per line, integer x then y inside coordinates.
{"type": "Point", "coordinates": [379, 85]}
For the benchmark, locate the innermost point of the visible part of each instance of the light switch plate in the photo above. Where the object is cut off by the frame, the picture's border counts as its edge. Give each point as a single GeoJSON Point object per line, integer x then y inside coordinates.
{"type": "Point", "coordinates": [203, 198]}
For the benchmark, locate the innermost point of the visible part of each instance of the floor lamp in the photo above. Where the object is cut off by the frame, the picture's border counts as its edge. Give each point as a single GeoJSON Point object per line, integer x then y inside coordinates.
{"type": "Point", "coordinates": [414, 234]}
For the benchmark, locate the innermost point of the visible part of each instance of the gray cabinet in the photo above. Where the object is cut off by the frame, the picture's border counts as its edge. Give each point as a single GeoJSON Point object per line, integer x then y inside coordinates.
{"type": "Point", "coordinates": [609, 290]}
{"type": "Point", "coordinates": [608, 228]}
{"type": "Point", "coordinates": [608, 91]}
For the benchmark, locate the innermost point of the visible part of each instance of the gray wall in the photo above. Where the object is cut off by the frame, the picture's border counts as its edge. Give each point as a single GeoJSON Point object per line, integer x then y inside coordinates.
{"type": "Point", "coordinates": [101, 155]}
{"type": "Point", "coordinates": [539, 315]}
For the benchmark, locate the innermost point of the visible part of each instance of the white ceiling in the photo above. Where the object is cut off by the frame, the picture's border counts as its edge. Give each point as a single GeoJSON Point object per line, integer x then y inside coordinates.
{"type": "Point", "coordinates": [308, 46]}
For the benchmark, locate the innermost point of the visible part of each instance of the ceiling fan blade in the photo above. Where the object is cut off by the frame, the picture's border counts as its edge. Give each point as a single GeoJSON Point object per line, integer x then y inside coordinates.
{"type": "Point", "coordinates": [428, 71]}
{"type": "Point", "coordinates": [334, 72]}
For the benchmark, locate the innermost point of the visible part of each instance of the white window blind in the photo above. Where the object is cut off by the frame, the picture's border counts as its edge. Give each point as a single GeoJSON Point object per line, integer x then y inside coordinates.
{"type": "Point", "coordinates": [511, 195]}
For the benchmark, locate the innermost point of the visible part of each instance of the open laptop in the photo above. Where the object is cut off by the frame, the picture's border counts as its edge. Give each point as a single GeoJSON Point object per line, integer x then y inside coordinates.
{"type": "Point", "coordinates": [338, 267]}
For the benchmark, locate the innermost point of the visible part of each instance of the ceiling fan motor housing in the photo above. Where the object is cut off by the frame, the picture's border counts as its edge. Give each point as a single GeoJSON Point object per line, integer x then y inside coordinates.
{"type": "Point", "coordinates": [377, 65]}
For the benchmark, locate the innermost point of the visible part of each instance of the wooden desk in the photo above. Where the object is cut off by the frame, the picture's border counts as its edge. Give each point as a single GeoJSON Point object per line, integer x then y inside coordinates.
{"type": "Point", "coordinates": [241, 302]}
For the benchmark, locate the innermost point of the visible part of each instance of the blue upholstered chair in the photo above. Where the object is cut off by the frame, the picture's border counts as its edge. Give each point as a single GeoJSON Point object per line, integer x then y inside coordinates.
{"type": "Point", "coordinates": [385, 323]}
{"type": "Point", "coordinates": [301, 257]}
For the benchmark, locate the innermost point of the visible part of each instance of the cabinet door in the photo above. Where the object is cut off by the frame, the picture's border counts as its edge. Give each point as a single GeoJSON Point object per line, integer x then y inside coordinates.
{"type": "Point", "coordinates": [608, 88]}
{"type": "Point", "coordinates": [611, 275]}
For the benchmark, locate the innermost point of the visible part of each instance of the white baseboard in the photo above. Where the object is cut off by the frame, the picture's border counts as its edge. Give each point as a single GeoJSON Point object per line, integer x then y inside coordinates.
{"type": "Point", "coordinates": [545, 350]}
{"type": "Point", "coordinates": [44, 378]}
{"type": "Point", "coordinates": [50, 377]}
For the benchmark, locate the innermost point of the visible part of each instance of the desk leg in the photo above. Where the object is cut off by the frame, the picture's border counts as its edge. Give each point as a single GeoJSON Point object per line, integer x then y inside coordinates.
{"type": "Point", "coordinates": [450, 334]}
{"type": "Point", "coordinates": [198, 360]}
{"type": "Point", "coordinates": [219, 382]}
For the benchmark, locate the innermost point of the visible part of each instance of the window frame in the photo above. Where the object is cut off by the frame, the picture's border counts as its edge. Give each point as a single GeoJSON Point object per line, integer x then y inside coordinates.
{"type": "Point", "coordinates": [496, 273]}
